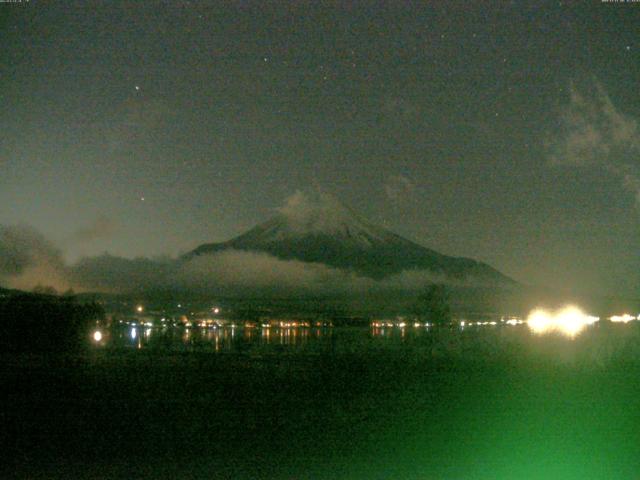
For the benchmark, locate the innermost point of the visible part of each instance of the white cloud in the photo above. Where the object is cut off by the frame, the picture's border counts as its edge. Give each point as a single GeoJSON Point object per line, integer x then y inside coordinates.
{"type": "Point", "coordinates": [28, 259]}
{"type": "Point", "coordinates": [316, 211]}
{"type": "Point", "coordinates": [592, 132]}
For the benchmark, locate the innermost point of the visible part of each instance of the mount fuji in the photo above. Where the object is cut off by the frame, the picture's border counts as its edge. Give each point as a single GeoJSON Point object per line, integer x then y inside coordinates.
{"type": "Point", "coordinates": [317, 228]}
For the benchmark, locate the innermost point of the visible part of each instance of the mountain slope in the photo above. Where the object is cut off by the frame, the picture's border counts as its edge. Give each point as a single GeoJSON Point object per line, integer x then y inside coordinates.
{"type": "Point", "coordinates": [318, 228]}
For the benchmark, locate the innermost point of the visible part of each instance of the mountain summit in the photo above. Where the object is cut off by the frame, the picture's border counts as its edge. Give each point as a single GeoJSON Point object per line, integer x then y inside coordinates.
{"type": "Point", "coordinates": [318, 214]}
{"type": "Point", "coordinates": [316, 227]}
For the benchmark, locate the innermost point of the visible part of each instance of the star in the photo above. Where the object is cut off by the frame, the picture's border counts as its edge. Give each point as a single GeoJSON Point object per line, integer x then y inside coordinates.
{"type": "Point", "coordinates": [628, 48]}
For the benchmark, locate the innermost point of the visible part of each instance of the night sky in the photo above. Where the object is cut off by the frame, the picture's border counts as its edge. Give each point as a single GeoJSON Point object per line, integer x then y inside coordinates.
{"type": "Point", "coordinates": [505, 132]}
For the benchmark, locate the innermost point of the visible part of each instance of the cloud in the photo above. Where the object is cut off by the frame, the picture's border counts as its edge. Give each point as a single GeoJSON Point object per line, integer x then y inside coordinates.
{"type": "Point", "coordinates": [236, 272]}
{"type": "Point", "coordinates": [242, 271]}
{"type": "Point", "coordinates": [316, 211]}
{"type": "Point", "coordinates": [399, 188]}
{"type": "Point", "coordinates": [27, 259]}
{"type": "Point", "coordinates": [592, 132]}
{"type": "Point", "coordinates": [233, 269]}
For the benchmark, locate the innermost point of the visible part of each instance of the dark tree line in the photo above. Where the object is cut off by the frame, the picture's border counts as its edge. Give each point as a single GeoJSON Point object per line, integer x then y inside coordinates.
{"type": "Point", "coordinates": [432, 305]}
{"type": "Point", "coordinates": [37, 322]}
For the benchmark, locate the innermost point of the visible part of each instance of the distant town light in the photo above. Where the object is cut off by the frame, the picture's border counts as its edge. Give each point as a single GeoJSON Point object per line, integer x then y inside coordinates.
{"type": "Point", "coordinates": [139, 309]}
{"type": "Point", "coordinates": [569, 321]}
{"type": "Point", "coordinates": [97, 335]}
{"type": "Point", "coordinates": [624, 318]}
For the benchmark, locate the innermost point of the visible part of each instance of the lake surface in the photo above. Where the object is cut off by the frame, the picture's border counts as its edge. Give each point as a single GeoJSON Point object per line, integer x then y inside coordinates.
{"type": "Point", "coordinates": [239, 339]}
{"type": "Point", "coordinates": [597, 343]}
{"type": "Point", "coordinates": [494, 402]}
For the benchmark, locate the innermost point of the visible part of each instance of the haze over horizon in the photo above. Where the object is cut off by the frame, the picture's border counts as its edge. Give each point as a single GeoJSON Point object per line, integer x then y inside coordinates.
{"type": "Point", "coordinates": [508, 134]}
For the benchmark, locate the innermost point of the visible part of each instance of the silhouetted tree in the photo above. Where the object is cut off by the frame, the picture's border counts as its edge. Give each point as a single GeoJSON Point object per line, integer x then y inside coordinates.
{"type": "Point", "coordinates": [36, 322]}
{"type": "Point", "coordinates": [44, 290]}
{"type": "Point", "coordinates": [433, 304]}
{"type": "Point", "coordinates": [69, 293]}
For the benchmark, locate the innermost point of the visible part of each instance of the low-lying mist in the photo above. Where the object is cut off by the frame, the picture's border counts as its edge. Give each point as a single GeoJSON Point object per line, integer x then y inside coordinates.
{"type": "Point", "coordinates": [28, 259]}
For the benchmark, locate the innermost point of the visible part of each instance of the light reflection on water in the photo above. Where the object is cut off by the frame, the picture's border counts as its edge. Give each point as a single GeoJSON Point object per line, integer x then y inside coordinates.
{"type": "Point", "coordinates": [242, 339]}
{"type": "Point", "coordinates": [220, 339]}
{"type": "Point", "coordinates": [569, 321]}
{"type": "Point", "coordinates": [235, 339]}
{"type": "Point", "coordinates": [595, 345]}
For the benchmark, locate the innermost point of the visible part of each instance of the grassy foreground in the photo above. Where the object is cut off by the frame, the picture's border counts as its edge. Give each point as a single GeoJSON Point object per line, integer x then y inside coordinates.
{"type": "Point", "coordinates": [445, 406]}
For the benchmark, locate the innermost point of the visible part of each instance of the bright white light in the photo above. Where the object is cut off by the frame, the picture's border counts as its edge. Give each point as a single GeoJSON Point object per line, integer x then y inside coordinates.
{"type": "Point", "coordinates": [134, 333]}
{"type": "Point", "coordinates": [97, 335]}
{"type": "Point", "coordinates": [624, 318]}
{"type": "Point", "coordinates": [139, 308]}
{"type": "Point", "coordinates": [569, 321]}
{"type": "Point", "coordinates": [462, 323]}
{"type": "Point", "coordinates": [216, 310]}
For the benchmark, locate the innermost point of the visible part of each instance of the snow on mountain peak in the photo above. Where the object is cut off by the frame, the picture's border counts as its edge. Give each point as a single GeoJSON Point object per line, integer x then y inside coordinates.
{"type": "Point", "coordinates": [321, 213]}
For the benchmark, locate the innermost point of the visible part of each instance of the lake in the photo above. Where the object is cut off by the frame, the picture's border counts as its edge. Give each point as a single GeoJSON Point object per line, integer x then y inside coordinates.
{"type": "Point", "coordinates": [491, 402]}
